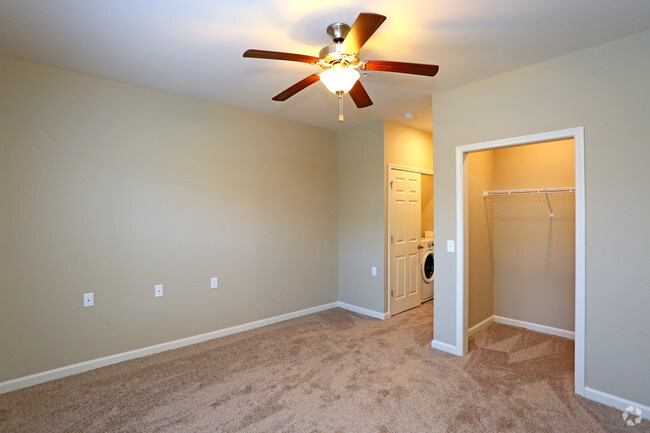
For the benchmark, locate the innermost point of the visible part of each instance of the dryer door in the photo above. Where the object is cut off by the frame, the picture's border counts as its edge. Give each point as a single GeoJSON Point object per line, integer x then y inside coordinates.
{"type": "Point", "coordinates": [427, 266]}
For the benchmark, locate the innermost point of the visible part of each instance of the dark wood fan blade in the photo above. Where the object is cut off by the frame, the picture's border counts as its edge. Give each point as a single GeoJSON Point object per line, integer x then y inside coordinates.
{"type": "Point", "coordinates": [276, 55]}
{"type": "Point", "coordinates": [300, 85]}
{"type": "Point", "coordinates": [360, 96]}
{"type": "Point", "coordinates": [404, 68]}
{"type": "Point", "coordinates": [364, 27]}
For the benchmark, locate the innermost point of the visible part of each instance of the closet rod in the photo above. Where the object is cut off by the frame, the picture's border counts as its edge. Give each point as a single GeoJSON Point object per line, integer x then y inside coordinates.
{"type": "Point", "coordinates": [528, 191]}
{"type": "Point", "coordinates": [545, 191]}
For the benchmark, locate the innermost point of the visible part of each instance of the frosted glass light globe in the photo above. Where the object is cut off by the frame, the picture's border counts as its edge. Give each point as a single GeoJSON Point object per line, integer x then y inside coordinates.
{"type": "Point", "coordinates": [339, 78]}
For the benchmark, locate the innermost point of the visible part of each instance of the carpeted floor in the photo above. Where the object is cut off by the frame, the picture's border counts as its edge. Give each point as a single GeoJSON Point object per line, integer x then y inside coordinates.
{"type": "Point", "coordinates": [333, 371]}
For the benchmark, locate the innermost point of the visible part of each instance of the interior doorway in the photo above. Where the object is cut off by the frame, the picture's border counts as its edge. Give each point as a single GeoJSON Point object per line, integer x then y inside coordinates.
{"type": "Point", "coordinates": [462, 220]}
{"type": "Point", "coordinates": [410, 237]}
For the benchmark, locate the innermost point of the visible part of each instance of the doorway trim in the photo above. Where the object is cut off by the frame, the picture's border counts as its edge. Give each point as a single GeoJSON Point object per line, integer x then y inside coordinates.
{"type": "Point", "coordinates": [390, 167]}
{"type": "Point", "coordinates": [462, 287]}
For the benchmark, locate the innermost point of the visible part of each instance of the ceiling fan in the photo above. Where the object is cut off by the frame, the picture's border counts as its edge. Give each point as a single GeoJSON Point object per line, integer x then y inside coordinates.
{"type": "Point", "coordinates": [341, 62]}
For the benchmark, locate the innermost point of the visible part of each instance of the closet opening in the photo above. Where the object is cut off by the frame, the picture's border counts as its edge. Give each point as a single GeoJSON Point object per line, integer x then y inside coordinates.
{"type": "Point", "coordinates": [520, 250]}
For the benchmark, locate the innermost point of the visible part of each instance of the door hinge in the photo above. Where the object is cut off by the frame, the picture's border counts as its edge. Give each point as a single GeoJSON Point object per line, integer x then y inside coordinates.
{"type": "Point", "coordinates": [391, 293]}
{"type": "Point", "coordinates": [391, 239]}
{"type": "Point", "coordinates": [391, 184]}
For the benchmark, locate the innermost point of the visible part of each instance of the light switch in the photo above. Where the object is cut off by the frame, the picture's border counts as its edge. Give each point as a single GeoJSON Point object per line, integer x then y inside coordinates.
{"type": "Point", "coordinates": [89, 299]}
{"type": "Point", "coordinates": [373, 271]}
{"type": "Point", "coordinates": [158, 290]}
{"type": "Point", "coordinates": [451, 247]}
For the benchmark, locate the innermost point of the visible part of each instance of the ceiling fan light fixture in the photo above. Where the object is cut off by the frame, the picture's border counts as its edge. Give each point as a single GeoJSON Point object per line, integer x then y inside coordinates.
{"type": "Point", "coordinates": [341, 64]}
{"type": "Point", "coordinates": [339, 78]}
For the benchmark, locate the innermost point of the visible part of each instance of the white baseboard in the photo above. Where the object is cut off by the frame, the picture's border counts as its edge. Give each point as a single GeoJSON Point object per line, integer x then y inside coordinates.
{"type": "Point", "coordinates": [484, 324]}
{"type": "Point", "coordinates": [443, 347]}
{"type": "Point", "coordinates": [57, 373]}
{"type": "Point", "coordinates": [364, 311]}
{"type": "Point", "coordinates": [535, 327]}
{"type": "Point", "coordinates": [615, 401]}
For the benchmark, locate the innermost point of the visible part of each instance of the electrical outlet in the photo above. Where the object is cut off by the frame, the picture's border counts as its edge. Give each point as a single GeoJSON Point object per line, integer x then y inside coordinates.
{"type": "Point", "coordinates": [373, 271]}
{"type": "Point", "coordinates": [214, 282]}
{"type": "Point", "coordinates": [89, 299]}
{"type": "Point", "coordinates": [451, 247]}
{"type": "Point", "coordinates": [158, 290]}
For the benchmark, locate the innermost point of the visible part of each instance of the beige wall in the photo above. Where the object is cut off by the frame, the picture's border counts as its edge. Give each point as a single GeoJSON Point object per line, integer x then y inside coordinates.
{"type": "Point", "coordinates": [427, 203]}
{"type": "Point", "coordinates": [534, 255]}
{"type": "Point", "coordinates": [480, 277]}
{"type": "Point", "coordinates": [408, 147]}
{"type": "Point", "coordinates": [549, 164]}
{"type": "Point", "coordinates": [363, 155]}
{"type": "Point", "coordinates": [360, 215]}
{"type": "Point", "coordinates": [112, 188]}
{"type": "Point", "coordinates": [606, 90]}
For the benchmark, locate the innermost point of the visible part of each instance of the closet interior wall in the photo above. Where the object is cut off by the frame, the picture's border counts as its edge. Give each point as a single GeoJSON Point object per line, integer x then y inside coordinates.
{"type": "Point", "coordinates": [522, 260]}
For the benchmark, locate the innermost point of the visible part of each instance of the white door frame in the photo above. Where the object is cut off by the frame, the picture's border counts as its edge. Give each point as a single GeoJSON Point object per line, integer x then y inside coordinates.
{"type": "Point", "coordinates": [390, 167]}
{"type": "Point", "coordinates": [462, 288]}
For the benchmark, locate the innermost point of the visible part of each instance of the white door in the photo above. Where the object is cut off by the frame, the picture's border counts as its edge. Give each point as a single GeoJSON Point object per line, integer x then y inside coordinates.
{"type": "Point", "coordinates": [404, 231]}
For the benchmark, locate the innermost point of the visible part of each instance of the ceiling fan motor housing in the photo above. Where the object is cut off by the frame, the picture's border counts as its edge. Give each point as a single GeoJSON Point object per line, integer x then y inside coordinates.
{"type": "Point", "coordinates": [333, 54]}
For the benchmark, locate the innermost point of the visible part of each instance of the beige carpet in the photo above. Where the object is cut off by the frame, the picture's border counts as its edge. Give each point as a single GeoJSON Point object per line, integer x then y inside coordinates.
{"type": "Point", "coordinates": [333, 371]}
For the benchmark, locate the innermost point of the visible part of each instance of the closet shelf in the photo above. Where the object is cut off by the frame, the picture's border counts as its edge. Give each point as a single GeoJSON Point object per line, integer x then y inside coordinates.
{"type": "Point", "coordinates": [545, 191]}
{"type": "Point", "coordinates": [529, 191]}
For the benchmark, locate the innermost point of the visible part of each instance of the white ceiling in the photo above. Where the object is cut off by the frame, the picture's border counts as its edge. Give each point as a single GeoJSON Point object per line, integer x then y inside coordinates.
{"type": "Point", "coordinates": [195, 47]}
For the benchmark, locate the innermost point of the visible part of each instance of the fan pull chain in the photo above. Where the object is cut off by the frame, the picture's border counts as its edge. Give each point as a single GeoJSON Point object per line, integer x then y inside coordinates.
{"type": "Point", "coordinates": [340, 95]}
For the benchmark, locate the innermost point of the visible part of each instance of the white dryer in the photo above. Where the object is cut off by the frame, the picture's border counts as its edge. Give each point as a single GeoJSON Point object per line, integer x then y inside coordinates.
{"type": "Point", "coordinates": [426, 268]}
